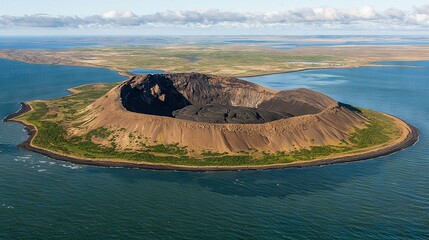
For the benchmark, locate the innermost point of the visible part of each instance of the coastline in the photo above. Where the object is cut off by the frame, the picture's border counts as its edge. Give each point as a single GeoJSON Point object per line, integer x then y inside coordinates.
{"type": "Point", "coordinates": [411, 138]}
{"type": "Point", "coordinates": [368, 64]}
{"type": "Point", "coordinates": [24, 108]}
{"type": "Point", "coordinates": [301, 70]}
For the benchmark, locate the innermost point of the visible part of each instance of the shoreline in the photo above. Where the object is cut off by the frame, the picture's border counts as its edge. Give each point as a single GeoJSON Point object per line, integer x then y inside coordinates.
{"type": "Point", "coordinates": [301, 70]}
{"type": "Point", "coordinates": [24, 108]}
{"type": "Point", "coordinates": [411, 139]}
{"type": "Point", "coordinates": [368, 64]}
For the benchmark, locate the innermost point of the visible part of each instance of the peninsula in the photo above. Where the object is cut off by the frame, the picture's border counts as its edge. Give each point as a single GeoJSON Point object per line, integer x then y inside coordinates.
{"type": "Point", "coordinates": [200, 122]}
{"type": "Point", "coordinates": [236, 60]}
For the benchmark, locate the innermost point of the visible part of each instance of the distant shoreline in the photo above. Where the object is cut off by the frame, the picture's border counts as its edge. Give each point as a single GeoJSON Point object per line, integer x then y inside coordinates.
{"type": "Point", "coordinates": [411, 138]}
{"type": "Point", "coordinates": [275, 61]}
{"type": "Point", "coordinates": [302, 70]}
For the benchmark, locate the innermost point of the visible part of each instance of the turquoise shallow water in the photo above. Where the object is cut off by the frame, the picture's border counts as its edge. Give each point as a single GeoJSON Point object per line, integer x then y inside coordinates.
{"type": "Point", "coordinates": [384, 198]}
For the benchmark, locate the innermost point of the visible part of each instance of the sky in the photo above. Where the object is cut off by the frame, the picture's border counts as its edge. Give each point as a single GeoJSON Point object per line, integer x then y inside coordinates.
{"type": "Point", "coordinates": [186, 17]}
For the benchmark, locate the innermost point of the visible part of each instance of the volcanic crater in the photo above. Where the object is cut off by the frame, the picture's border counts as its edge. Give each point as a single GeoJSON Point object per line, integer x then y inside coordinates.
{"type": "Point", "coordinates": [192, 121]}
{"type": "Point", "coordinates": [214, 99]}
{"type": "Point", "coordinates": [220, 114]}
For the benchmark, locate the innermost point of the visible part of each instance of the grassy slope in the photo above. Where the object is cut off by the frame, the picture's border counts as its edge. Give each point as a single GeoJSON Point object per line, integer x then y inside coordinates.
{"type": "Point", "coordinates": [52, 118]}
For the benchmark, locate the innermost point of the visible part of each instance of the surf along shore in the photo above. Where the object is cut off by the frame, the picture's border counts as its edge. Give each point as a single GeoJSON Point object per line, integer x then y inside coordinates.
{"type": "Point", "coordinates": [409, 136]}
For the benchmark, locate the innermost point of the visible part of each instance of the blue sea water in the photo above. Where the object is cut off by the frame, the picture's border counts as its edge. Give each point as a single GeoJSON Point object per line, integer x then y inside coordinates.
{"type": "Point", "coordinates": [383, 198]}
{"type": "Point", "coordinates": [44, 43]}
{"type": "Point", "coordinates": [65, 42]}
{"type": "Point", "coordinates": [347, 43]}
{"type": "Point", "coordinates": [144, 71]}
{"type": "Point", "coordinates": [285, 43]}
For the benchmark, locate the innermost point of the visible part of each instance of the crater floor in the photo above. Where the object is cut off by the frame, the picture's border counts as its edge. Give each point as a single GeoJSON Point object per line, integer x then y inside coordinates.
{"type": "Point", "coordinates": [227, 114]}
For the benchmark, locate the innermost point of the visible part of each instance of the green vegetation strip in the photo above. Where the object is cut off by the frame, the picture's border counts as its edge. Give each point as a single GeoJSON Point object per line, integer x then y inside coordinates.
{"type": "Point", "coordinates": [53, 117]}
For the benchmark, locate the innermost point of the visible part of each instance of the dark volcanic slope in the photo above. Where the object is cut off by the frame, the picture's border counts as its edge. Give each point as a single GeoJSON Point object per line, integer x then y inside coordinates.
{"type": "Point", "coordinates": [216, 99]}
{"type": "Point", "coordinates": [297, 102]}
{"type": "Point", "coordinates": [153, 95]}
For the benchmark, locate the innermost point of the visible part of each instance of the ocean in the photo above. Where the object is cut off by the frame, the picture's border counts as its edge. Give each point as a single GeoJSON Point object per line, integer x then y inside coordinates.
{"type": "Point", "coordinates": [383, 198]}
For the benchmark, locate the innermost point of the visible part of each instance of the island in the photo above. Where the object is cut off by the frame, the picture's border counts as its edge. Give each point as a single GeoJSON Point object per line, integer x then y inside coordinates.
{"type": "Point", "coordinates": [203, 122]}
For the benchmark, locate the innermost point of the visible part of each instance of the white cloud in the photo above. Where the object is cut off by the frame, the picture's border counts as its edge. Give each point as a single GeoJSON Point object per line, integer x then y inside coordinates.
{"type": "Point", "coordinates": [422, 9]}
{"type": "Point", "coordinates": [118, 15]}
{"type": "Point", "coordinates": [367, 12]}
{"type": "Point", "coordinates": [305, 18]}
{"type": "Point", "coordinates": [394, 13]}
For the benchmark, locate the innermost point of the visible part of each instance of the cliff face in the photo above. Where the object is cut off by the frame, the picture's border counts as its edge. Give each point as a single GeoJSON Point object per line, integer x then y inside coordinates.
{"type": "Point", "coordinates": [153, 94]}
{"type": "Point", "coordinates": [204, 112]}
